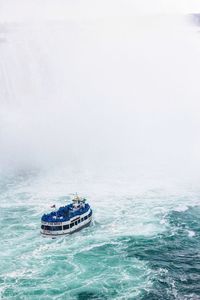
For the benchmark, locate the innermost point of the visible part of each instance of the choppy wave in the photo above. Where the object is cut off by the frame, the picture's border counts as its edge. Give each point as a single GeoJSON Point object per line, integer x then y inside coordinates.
{"type": "Point", "coordinates": [140, 247]}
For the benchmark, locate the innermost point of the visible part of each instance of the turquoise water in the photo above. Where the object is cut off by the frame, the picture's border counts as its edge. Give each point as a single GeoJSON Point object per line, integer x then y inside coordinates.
{"type": "Point", "coordinates": [143, 243]}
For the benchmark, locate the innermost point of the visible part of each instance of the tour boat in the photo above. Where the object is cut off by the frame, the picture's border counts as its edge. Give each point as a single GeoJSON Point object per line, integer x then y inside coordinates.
{"type": "Point", "coordinates": [67, 219]}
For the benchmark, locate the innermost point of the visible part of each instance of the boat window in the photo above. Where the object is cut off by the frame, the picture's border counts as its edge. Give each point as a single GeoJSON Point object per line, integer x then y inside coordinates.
{"type": "Point", "coordinates": [76, 223]}
{"type": "Point", "coordinates": [46, 227]}
{"type": "Point", "coordinates": [56, 228]}
{"type": "Point", "coordinates": [51, 228]}
{"type": "Point", "coordinates": [71, 225]}
{"type": "Point", "coordinates": [65, 227]}
{"type": "Point", "coordinates": [85, 218]}
{"type": "Point", "coordinates": [79, 221]}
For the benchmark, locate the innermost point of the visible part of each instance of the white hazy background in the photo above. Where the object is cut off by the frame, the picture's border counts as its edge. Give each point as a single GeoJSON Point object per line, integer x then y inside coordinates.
{"type": "Point", "coordinates": [90, 84]}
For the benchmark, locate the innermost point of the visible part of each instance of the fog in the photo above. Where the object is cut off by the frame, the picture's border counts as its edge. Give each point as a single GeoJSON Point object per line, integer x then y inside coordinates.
{"type": "Point", "coordinates": [86, 86]}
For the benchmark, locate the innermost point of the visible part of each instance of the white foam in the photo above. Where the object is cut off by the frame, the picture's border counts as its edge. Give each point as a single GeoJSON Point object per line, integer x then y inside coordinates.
{"type": "Point", "coordinates": [191, 233]}
{"type": "Point", "coordinates": [181, 208]}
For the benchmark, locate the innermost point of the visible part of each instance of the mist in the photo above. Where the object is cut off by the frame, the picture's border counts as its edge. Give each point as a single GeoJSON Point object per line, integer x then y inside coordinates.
{"type": "Point", "coordinates": [88, 88]}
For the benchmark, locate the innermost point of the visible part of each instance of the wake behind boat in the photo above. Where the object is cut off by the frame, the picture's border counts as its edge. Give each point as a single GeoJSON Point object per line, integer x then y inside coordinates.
{"type": "Point", "coordinates": [67, 219]}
